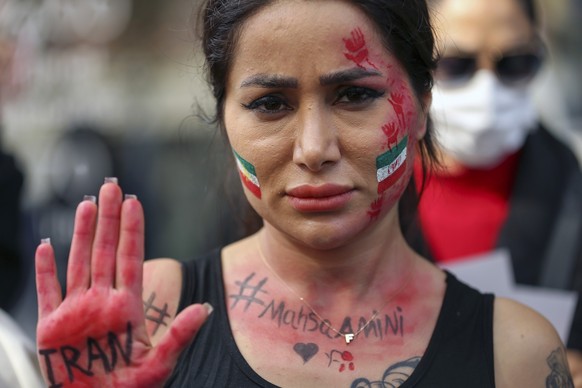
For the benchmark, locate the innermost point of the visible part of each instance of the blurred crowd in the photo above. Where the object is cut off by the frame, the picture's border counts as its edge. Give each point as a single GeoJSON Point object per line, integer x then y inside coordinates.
{"type": "Point", "coordinates": [96, 88]}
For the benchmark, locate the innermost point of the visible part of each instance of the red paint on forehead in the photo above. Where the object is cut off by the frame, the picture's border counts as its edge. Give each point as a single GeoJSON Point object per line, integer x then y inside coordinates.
{"type": "Point", "coordinates": [356, 49]}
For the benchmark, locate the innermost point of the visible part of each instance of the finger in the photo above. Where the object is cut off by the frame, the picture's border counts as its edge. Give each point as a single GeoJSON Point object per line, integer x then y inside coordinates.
{"type": "Point", "coordinates": [181, 333]}
{"type": "Point", "coordinates": [130, 252]}
{"type": "Point", "coordinates": [48, 288]}
{"type": "Point", "coordinates": [79, 268]}
{"type": "Point", "coordinates": [106, 235]}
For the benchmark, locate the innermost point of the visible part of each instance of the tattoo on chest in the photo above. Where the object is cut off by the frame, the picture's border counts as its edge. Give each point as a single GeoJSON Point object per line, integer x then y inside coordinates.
{"type": "Point", "coordinates": [394, 376]}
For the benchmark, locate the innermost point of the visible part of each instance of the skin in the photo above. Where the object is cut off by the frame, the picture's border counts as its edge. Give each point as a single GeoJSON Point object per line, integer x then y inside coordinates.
{"type": "Point", "coordinates": [483, 28]}
{"type": "Point", "coordinates": [575, 363]}
{"type": "Point", "coordinates": [343, 262]}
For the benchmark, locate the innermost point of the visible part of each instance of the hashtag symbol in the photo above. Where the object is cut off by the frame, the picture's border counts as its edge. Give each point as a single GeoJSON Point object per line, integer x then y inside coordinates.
{"type": "Point", "coordinates": [161, 313]}
{"type": "Point", "coordinates": [248, 293]}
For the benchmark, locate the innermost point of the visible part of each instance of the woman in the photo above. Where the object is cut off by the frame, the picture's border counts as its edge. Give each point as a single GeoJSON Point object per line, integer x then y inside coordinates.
{"type": "Point", "coordinates": [324, 104]}
{"type": "Point", "coordinates": [507, 182]}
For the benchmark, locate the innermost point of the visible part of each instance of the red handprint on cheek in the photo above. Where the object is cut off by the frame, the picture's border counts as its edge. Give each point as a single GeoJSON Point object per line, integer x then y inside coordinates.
{"type": "Point", "coordinates": [397, 100]}
{"type": "Point", "coordinates": [356, 47]}
{"type": "Point", "coordinates": [376, 208]}
{"type": "Point", "coordinates": [391, 133]}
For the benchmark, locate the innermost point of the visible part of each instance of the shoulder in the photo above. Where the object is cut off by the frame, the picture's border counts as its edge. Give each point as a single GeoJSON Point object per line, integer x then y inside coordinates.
{"type": "Point", "coordinates": [162, 287]}
{"type": "Point", "coordinates": [527, 349]}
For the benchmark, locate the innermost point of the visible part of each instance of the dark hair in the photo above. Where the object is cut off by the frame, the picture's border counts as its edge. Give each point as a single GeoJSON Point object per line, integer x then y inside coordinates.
{"type": "Point", "coordinates": [403, 24]}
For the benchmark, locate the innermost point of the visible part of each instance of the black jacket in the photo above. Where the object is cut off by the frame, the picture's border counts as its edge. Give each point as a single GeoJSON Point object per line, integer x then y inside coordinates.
{"type": "Point", "coordinates": [543, 231]}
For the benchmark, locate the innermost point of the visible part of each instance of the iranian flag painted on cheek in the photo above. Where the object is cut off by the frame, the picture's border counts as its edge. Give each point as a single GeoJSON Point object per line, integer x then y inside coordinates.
{"type": "Point", "coordinates": [248, 175]}
{"type": "Point", "coordinates": [390, 166]}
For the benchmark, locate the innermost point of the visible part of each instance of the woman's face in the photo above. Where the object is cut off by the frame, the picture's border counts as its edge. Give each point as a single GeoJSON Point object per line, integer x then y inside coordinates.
{"type": "Point", "coordinates": [322, 120]}
{"type": "Point", "coordinates": [485, 28]}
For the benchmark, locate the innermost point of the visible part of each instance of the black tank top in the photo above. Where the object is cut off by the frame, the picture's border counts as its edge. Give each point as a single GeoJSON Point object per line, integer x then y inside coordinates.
{"type": "Point", "coordinates": [459, 354]}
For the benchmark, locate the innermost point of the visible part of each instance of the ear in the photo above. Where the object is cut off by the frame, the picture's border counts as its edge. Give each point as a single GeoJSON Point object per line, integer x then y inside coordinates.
{"type": "Point", "coordinates": [425, 102]}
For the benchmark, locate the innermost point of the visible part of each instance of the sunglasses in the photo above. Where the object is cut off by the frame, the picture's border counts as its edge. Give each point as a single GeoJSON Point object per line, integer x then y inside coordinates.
{"type": "Point", "coordinates": [511, 69]}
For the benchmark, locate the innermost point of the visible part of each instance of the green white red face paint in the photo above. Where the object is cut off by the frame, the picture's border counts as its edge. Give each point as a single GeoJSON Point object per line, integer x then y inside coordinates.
{"type": "Point", "coordinates": [391, 165]}
{"type": "Point", "coordinates": [248, 175]}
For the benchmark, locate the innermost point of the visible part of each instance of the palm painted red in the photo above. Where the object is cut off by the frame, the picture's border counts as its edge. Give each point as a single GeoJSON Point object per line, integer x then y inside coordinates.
{"type": "Point", "coordinates": [96, 335]}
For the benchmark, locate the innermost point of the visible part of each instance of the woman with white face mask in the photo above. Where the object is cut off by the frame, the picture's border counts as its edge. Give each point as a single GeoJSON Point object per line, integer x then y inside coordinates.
{"type": "Point", "coordinates": [506, 181]}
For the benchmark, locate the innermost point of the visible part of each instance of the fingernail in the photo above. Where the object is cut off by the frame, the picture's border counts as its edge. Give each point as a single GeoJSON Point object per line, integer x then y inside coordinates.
{"type": "Point", "coordinates": [209, 308]}
{"type": "Point", "coordinates": [91, 198]}
{"type": "Point", "coordinates": [45, 241]}
{"type": "Point", "coordinates": [111, 179]}
{"type": "Point", "coordinates": [130, 196]}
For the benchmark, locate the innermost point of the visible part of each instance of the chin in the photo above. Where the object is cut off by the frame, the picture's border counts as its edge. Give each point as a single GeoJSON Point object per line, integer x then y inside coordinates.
{"type": "Point", "coordinates": [329, 235]}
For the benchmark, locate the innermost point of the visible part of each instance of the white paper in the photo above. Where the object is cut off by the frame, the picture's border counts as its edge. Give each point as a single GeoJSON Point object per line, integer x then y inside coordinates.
{"type": "Point", "coordinates": [493, 273]}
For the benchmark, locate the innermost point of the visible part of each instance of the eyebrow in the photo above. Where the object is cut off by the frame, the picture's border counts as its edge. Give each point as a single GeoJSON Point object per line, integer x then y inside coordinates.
{"type": "Point", "coordinates": [270, 81]}
{"type": "Point", "coordinates": [347, 76]}
{"type": "Point", "coordinates": [273, 81]}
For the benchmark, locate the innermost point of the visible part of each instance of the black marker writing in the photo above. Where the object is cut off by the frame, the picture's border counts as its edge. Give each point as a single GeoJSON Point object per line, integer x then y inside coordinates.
{"type": "Point", "coordinates": [160, 313]}
{"type": "Point", "coordinates": [248, 292]}
{"type": "Point", "coordinates": [95, 354]}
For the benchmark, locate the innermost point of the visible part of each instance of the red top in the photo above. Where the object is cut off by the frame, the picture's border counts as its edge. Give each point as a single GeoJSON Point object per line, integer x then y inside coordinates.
{"type": "Point", "coordinates": [462, 214]}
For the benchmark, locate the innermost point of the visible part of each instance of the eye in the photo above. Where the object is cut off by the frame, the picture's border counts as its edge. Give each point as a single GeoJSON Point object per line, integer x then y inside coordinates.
{"type": "Point", "coordinates": [268, 104]}
{"type": "Point", "coordinates": [357, 95]}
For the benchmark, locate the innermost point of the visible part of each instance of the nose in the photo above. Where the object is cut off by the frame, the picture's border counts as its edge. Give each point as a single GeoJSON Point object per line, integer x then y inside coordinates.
{"type": "Point", "coordinates": [317, 143]}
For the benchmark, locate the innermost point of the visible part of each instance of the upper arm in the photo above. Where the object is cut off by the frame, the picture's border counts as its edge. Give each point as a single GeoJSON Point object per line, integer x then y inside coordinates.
{"type": "Point", "coordinates": [162, 287]}
{"type": "Point", "coordinates": [528, 352]}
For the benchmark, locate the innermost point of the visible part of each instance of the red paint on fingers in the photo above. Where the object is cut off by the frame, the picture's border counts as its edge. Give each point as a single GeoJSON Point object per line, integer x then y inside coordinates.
{"type": "Point", "coordinates": [47, 285]}
{"type": "Point", "coordinates": [182, 331]}
{"type": "Point", "coordinates": [131, 246]}
{"type": "Point", "coordinates": [106, 236]}
{"type": "Point", "coordinates": [79, 268]}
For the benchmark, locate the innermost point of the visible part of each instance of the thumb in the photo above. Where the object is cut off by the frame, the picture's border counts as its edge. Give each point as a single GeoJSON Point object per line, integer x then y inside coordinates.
{"type": "Point", "coordinates": [181, 332]}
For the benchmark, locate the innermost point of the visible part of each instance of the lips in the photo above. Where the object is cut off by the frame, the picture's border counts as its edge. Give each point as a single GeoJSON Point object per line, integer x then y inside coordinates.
{"type": "Point", "coordinates": [317, 199]}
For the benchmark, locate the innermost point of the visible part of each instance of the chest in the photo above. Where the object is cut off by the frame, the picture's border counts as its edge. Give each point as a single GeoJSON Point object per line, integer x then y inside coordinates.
{"type": "Point", "coordinates": [289, 345]}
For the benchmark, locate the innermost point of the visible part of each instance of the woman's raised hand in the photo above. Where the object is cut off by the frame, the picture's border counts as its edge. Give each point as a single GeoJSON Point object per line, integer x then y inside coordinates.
{"type": "Point", "coordinates": [96, 335]}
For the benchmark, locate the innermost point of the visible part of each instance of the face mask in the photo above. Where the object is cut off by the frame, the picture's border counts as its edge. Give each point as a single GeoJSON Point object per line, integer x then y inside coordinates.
{"type": "Point", "coordinates": [482, 122]}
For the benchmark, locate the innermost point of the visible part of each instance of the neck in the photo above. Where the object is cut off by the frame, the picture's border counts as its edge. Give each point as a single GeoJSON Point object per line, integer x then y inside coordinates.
{"type": "Point", "coordinates": [349, 273]}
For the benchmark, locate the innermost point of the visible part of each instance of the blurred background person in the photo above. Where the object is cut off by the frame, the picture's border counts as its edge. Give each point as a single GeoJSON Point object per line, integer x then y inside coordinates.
{"type": "Point", "coordinates": [19, 366]}
{"type": "Point", "coordinates": [506, 181]}
{"type": "Point", "coordinates": [11, 181]}
{"type": "Point", "coordinates": [558, 93]}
